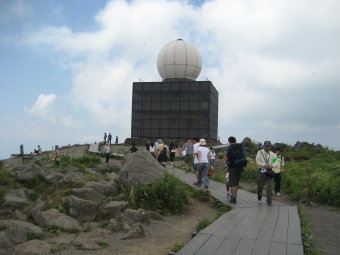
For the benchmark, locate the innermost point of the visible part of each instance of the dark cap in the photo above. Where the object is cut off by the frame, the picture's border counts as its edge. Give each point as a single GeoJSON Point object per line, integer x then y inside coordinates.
{"type": "Point", "coordinates": [267, 143]}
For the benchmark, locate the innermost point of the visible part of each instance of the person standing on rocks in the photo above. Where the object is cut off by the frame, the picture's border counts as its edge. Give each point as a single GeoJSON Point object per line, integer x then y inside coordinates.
{"type": "Point", "coordinates": [107, 151]}
{"type": "Point", "coordinates": [234, 152]}
{"type": "Point", "coordinates": [265, 160]}
{"type": "Point", "coordinates": [278, 168]}
{"type": "Point", "coordinates": [116, 142]}
{"type": "Point", "coordinates": [161, 153]}
{"type": "Point", "coordinates": [203, 157]}
{"type": "Point", "coordinates": [133, 148]}
{"type": "Point", "coordinates": [188, 158]}
{"type": "Point", "coordinates": [105, 136]}
{"type": "Point", "coordinates": [109, 138]}
{"type": "Point", "coordinates": [57, 156]}
{"type": "Point", "coordinates": [152, 150]}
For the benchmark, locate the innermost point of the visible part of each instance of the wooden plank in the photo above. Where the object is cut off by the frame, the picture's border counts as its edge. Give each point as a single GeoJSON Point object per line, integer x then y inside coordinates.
{"type": "Point", "coordinates": [277, 248]}
{"type": "Point", "coordinates": [193, 245]}
{"type": "Point", "coordinates": [294, 249]}
{"type": "Point", "coordinates": [294, 228]}
{"type": "Point", "coordinates": [280, 233]}
{"type": "Point", "coordinates": [268, 227]}
{"type": "Point", "coordinates": [211, 245]}
{"type": "Point", "coordinates": [227, 247]}
{"type": "Point", "coordinates": [261, 248]}
{"type": "Point", "coordinates": [244, 247]}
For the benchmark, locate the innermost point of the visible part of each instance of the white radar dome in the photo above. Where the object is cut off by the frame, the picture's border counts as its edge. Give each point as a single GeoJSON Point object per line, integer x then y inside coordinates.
{"type": "Point", "coordinates": [179, 60]}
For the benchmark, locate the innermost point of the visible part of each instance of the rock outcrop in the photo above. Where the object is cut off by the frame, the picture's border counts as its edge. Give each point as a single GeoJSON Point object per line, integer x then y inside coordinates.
{"type": "Point", "coordinates": [15, 199]}
{"type": "Point", "coordinates": [81, 209]}
{"type": "Point", "coordinates": [140, 167]}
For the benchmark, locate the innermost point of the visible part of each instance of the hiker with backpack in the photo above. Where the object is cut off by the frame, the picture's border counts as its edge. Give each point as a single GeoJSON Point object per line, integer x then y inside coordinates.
{"type": "Point", "coordinates": [236, 158]}
{"type": "Point", "coordinates": [265, 161]}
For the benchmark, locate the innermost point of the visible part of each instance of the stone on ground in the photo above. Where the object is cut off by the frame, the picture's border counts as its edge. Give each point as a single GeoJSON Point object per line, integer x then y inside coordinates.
{"type": "Point", "coordinates": [15, 199]}
{"type": "Point", "coordinates": [136, 232]}
{"type": "Point", "coordinates": [33, 247]}
{"type": "Point", "coordinates": [87, 193]}
{"type": "Point", "coordinates": [14, 232]}
{"type": "Point", "coordinates": [53, 217]}
{"type": "Point", "coordinates": [131, 216]}
{"type": "Point", "coordinates": [81, 209]}
{"type": "Point", "coordinates": [91, 240]}
{"type": "Point", "coordinates": [115, 208]}
{"type": "Point", "coordinates": [105, 188]}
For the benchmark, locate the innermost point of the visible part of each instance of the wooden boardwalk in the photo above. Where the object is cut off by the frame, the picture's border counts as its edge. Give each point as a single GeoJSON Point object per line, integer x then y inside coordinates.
{"type": "Point", "coordinates": [251, 227]}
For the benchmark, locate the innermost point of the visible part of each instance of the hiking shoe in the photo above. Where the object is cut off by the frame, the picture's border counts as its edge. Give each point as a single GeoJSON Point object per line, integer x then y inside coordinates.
{"type": "Point", "coordinates": [278, 194]}
{"type": "Point", "coordinates": [206, 187]}
{"type": "Point", "coordinates": [196, 183]}
{"type": "Point", "coordinates": [259, 197]}
{"type": "Point", "coordinates": [270, 204]}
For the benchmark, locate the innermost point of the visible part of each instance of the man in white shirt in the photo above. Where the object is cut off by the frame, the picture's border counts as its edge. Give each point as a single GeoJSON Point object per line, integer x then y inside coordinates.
{"type": "Point", "coordinates": [196, 143]}
{"type": "Point", "coordinates": [265, 160]}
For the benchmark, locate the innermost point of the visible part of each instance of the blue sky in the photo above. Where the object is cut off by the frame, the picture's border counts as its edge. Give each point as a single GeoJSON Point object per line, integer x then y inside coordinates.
{"type": "Point", "coordinates": [67, 67]}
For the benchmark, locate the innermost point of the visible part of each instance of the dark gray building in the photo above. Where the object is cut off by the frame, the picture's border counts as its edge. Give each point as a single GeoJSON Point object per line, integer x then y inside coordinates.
{"type": "Point", "coordinates": [174, 109]}
{"type": "Point", "coordinates": [179, 106]}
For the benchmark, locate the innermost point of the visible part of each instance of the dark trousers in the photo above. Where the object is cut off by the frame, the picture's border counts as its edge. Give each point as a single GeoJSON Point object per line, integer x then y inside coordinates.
{"type": "Point", "coordinates": [107, 157]}
{"type": "Point", "coordinates": [262, 180]}
{"type": "Point", "coordinates": [277, 180]}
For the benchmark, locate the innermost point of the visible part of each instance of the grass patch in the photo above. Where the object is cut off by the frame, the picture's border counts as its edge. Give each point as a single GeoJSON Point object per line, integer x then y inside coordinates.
{"type": "Point", "coordinates": [167, 195]}
{"type": "Point", "coordinates": [103, 244]}
{"type": "Point", "coordinates": [176, 247]}
{"type": "Point", "coordinates": [307, 235]}
{"type": "Point", "coordinates": [202, 224]}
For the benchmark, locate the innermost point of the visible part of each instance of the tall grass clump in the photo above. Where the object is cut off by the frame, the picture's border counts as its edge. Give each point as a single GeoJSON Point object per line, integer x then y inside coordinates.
{"type": "Point", "coordinates": [81, 163]}
{"type": "Point", "coordinates": [167, 195]}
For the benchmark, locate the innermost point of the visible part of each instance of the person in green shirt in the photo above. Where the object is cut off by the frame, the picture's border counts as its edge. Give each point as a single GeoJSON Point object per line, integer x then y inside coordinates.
{"type": "Point", "coordinates": [278, 163]}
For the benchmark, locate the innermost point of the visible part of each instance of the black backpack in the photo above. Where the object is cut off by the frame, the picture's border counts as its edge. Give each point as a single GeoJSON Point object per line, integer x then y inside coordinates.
{"type": "Point", "coordinates": [239, 156]}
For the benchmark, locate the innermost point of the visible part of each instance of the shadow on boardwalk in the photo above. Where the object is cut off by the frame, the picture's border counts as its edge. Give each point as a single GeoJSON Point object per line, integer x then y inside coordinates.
{"type": "Point", "coordinates": [250, 228]}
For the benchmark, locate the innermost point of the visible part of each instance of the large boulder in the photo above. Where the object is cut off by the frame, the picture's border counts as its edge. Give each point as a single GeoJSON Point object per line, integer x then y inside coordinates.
{"type": "Point", "coordinates": [13, 232]}
{"type": "Point", "coordinates": [87, 193]}
{"type": "Point", "coordinates": [105, 188]}
{"type": "Point", "coordinates": [115, 208]}
{"type": "Point", "coordinates": [15, 199]}
{"type": "Point", "coordinates": [81, 209]}
{"type": "Point", "coordinates": [53, 217]}
{"type": "Point", "coordinates": [246, 142]}
{"type": "Point", "coordinates": [33, 247]}
{"type": "Point", "coordinates": [140, 167]}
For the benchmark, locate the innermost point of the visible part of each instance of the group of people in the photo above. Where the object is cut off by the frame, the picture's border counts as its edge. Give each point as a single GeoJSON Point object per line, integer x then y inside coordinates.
{"type": "Point", "coordinates": [108, 138]}
{"type": "Point", "coordinates": [161, 151]}
{"type": "Point", "coordinates": [270, 166]}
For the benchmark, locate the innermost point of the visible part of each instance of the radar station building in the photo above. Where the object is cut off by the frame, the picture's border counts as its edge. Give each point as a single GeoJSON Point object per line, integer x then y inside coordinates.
{"type": "Point", "coordinates": [178, 107]}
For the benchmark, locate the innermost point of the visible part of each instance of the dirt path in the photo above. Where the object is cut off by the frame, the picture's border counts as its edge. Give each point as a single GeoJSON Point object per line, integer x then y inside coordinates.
{"type": "Point", "coordinates": [161, 236]}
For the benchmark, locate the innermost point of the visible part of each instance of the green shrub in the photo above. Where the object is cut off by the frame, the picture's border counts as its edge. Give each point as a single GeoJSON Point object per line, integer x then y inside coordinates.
{"type": "Point", "coordinates": [2, 164]}
{"type": "Point", "coordinates": [7, 178]}
{"type": "Point", "coordinates": [202, 224]}
{"type": "Point", "coordinates": [167, 195]}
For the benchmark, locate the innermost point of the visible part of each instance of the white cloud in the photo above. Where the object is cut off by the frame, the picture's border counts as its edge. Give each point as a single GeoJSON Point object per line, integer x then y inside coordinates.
{"type": "Point", "coordinates": [272, 61]}
{"type": "Point", "coordinates": [42, 104]}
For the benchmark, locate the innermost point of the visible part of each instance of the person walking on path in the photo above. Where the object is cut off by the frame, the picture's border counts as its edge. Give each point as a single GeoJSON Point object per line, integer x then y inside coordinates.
{"type": "Point", "coordinates": [57, 156]}
{"type": "Point", "coordinates": [234, 152]}
{"type": "Point", "coordinates": [212, 156]}
{"type": "Point", "coordinates": [173, 151]}
{"type": "Point", "coordinates": [278, 168]}
{"type": "Point", "coordinates": [188, 147]}
{"type": "Point", "coordinates": [109, 138]}
{"type": "Point", "coordinates": [203, 157]}
{"type": "Point", "coordinates": [265, 160]}
{"type": "Point", "coordinates": [133, 148]}
{"type": "Point", "coordinates": [196, 143]}
{"type": "Point", "coordinates": [107, 151]}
